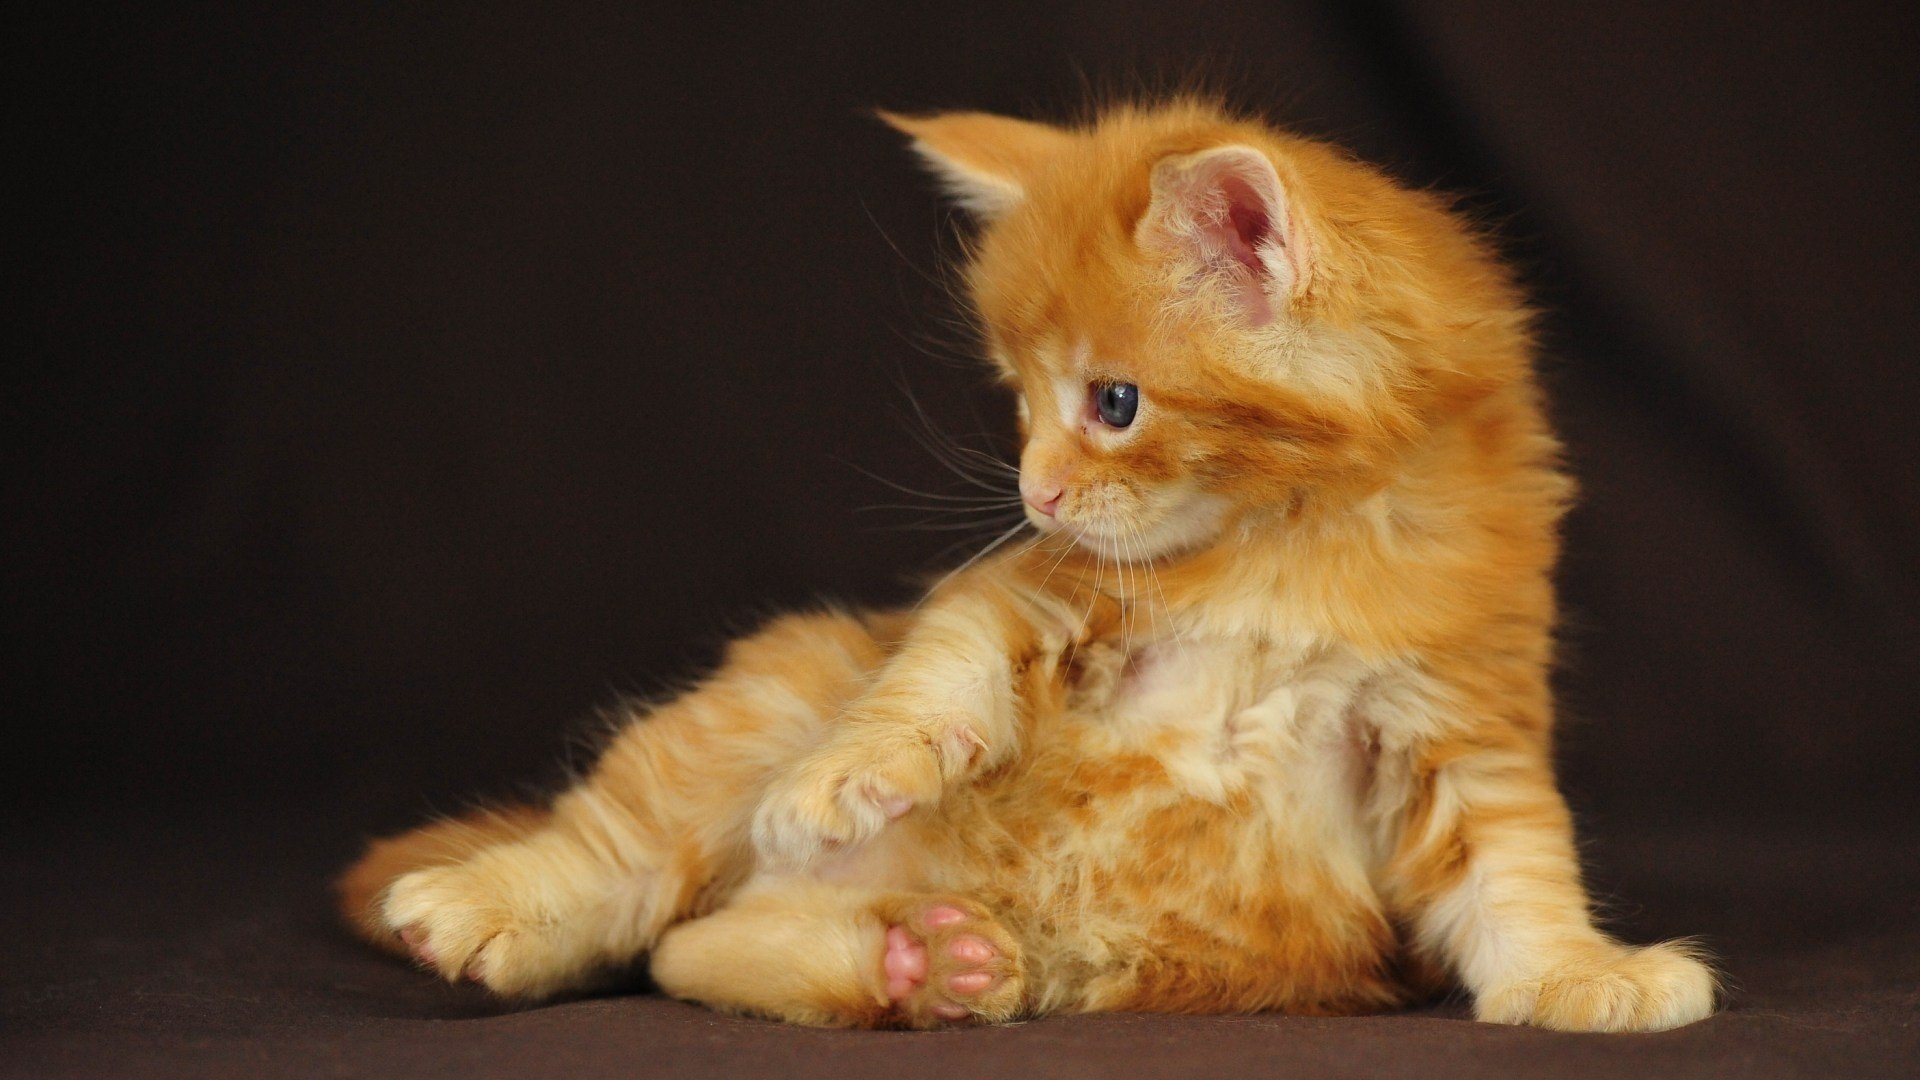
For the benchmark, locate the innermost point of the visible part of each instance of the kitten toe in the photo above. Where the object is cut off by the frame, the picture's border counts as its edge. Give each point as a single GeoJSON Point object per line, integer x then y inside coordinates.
{"type": "Point", "coordinates": [971, 950]}
{"type": "Point", "coordinates": [971, 982]}
{"type": "Point", "coordinates": [1610, 988]}
{"type": "Point", "coordinates": [945, 965]}
{"type": "Point", "coordinates": [943, 915]}
{"type": "Point", "coordinates": [453, 925]}
{"type": "Point", "coordinates": [418, 946]}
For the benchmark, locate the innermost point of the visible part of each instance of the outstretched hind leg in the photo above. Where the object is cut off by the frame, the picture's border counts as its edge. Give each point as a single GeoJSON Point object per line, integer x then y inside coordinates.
{"type": "Point", "coordinates": [446, 842]}
{"type": "Point", "coordinates": [540, 901]}
{"type": "Point", "coordinates": [830, 956]}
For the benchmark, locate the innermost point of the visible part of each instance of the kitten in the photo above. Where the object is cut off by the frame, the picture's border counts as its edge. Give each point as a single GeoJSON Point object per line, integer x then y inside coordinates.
{"type": "Point", "coordinates": [1258, 719]}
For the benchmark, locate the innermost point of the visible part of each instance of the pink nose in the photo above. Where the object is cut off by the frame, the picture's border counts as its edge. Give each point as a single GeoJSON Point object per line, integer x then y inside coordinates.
{"type": "Point", "coordinates": [1042, 497]}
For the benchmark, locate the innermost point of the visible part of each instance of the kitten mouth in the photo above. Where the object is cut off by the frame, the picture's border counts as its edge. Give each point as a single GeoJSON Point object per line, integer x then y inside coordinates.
{"type": "Point", "coordinates": [1197, 524]}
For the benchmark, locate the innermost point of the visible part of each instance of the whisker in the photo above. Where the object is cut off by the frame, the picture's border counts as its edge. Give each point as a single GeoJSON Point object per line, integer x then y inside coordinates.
{"type": "Point", "coordinates": [985, 458]}
{"type": "Point", "coordinates": [945, 450]}
{"type": "Point", "coordinates": [917, 493]}
{"type": "Point", "coordinates": [971, 504]}
{"type": "Point", "coordinates": [947, 455]}
{"type": "Point", "coordinates": [938, 440]}
{"type": "Point", "coordinates": [1065, 550]}
{"type": "Point", "coordinates": [950, 353]}
{"type": "Point", "coordinates": [1093, 601]}
{"type": "Point", "coordinates": [944, 283]}
{"type": "Point", "coordinates": [1137, 541]}
{"type": "Point", "coordinates": [1153, 583]}
{"type": "Point", "coordinates": [1039, 538]}
{"type": "Point", "coordinates": [981, 554]}
{"type": "Point", "coordinates": [1172, 621]}
{"type": "Point", "coordinates": [964, 542]}
{"type": "Point", "coordinates": [951, 526]}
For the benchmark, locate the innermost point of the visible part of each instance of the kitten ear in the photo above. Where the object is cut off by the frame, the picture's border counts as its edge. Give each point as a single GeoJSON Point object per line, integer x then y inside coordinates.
{"type": "Point", "coordinates": [1225, 211]}
{"type": "Point", "coordinates": [981, 159]}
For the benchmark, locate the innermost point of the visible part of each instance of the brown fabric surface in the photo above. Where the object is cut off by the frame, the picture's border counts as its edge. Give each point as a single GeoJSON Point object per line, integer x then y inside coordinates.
{"type": "Point", "coordinates": [385, 389]}
{"type": "Point", "coordinates": [206, 948]}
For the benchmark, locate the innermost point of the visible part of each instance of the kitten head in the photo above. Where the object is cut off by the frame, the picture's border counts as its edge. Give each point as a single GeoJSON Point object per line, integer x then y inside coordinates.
{"type": "Point", "coordinates": [1212, 326]}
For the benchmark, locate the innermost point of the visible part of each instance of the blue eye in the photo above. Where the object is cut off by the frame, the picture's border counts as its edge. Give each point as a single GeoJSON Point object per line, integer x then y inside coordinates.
{"type": "Point", "coordinates": [1116, 403]}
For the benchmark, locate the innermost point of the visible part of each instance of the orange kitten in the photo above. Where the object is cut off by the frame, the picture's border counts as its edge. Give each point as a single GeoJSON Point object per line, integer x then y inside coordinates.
{"type": "Point", "coordinates": [1258, 720]}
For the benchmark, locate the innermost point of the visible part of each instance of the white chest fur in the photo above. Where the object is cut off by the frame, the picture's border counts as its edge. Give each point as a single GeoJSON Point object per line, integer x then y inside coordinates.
{"type": "Point", "coordinates": [1286, 728]}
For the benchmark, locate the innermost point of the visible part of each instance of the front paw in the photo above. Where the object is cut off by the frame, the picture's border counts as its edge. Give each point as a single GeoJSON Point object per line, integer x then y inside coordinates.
{"type": "Point", "coordinates": [867, 774]}
{"type": "Point", "coordinates": [1609, 988]}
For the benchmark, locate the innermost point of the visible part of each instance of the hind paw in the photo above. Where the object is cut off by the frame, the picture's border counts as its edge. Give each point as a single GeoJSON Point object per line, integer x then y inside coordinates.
{"type": "Point", "coordinates": [454, 924]}
{"type": "Point", "coordinates": [948, 963]}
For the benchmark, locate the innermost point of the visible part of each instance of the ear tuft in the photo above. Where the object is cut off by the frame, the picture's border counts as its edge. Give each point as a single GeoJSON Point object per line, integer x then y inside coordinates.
{"type": "Point", "coordinates": [984, 162]}
{"type": "Point", "coordinates": [1224, 212]}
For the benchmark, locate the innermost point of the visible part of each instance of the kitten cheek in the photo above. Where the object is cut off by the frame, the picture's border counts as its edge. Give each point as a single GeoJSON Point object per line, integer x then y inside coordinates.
{"type": "Point", "coordinates": [1182, 518]}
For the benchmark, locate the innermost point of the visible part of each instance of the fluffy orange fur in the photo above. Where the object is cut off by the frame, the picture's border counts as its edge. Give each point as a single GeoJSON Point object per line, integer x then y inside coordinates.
{"type": "Point", "coordinates": [1257, 718]}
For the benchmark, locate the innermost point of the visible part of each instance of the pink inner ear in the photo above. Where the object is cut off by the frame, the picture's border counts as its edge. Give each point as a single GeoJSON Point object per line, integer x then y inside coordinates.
{"type": "Point", "coordinates": [1246, 225]}
{"type": "Point", "coordinates": [1224, 210]}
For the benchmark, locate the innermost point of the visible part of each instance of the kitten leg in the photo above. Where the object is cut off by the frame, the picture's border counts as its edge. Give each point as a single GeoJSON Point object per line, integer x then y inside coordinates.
{"type": "Point", "coordinates": [653, 833]}
{"type": "Point", "coordinates": [440, 843]}
{"type": "Point", "coordinates": [943, 709]}
{"type": "Point", "coordinates": [1489, 868]}
{"type": "Point", "coordinates": [538, 915]}
{"type": "Point", "coordinates": [827, 956]}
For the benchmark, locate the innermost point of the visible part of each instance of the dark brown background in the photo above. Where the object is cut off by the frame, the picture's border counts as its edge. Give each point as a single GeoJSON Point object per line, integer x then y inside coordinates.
{"type": "Point", "coordinates": [386, 389]}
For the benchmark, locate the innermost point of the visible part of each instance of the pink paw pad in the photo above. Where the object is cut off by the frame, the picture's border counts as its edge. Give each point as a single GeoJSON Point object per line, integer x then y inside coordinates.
{"type": "Point", "coordinates": [971, 982]}
{"type": "Point", "coordinates": [937, 917]}
{"type": "Point", "coordinates": [937, 974]}
{"type": "Point", "coordinates": [905, 964]}
{"type": "Point", "coordinates": [971, 950]}
{"type": "Point", "coordinates": [415, 939]}
{"type": "Point", "coordinates": [893, 806]}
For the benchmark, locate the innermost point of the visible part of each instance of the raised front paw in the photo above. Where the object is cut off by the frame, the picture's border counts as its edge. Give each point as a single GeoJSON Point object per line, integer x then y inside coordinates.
{"type": "Point", "coordinates": [868, 773]}
{"type": "Point", "coordinates": [459, 922]}
{"type": "Point", "coordinates": [1610, 987]}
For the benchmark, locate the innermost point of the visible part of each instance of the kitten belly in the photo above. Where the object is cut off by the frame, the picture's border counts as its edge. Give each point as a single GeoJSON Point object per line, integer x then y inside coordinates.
{"type": "Point", "coordinates": [1192, 823]}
